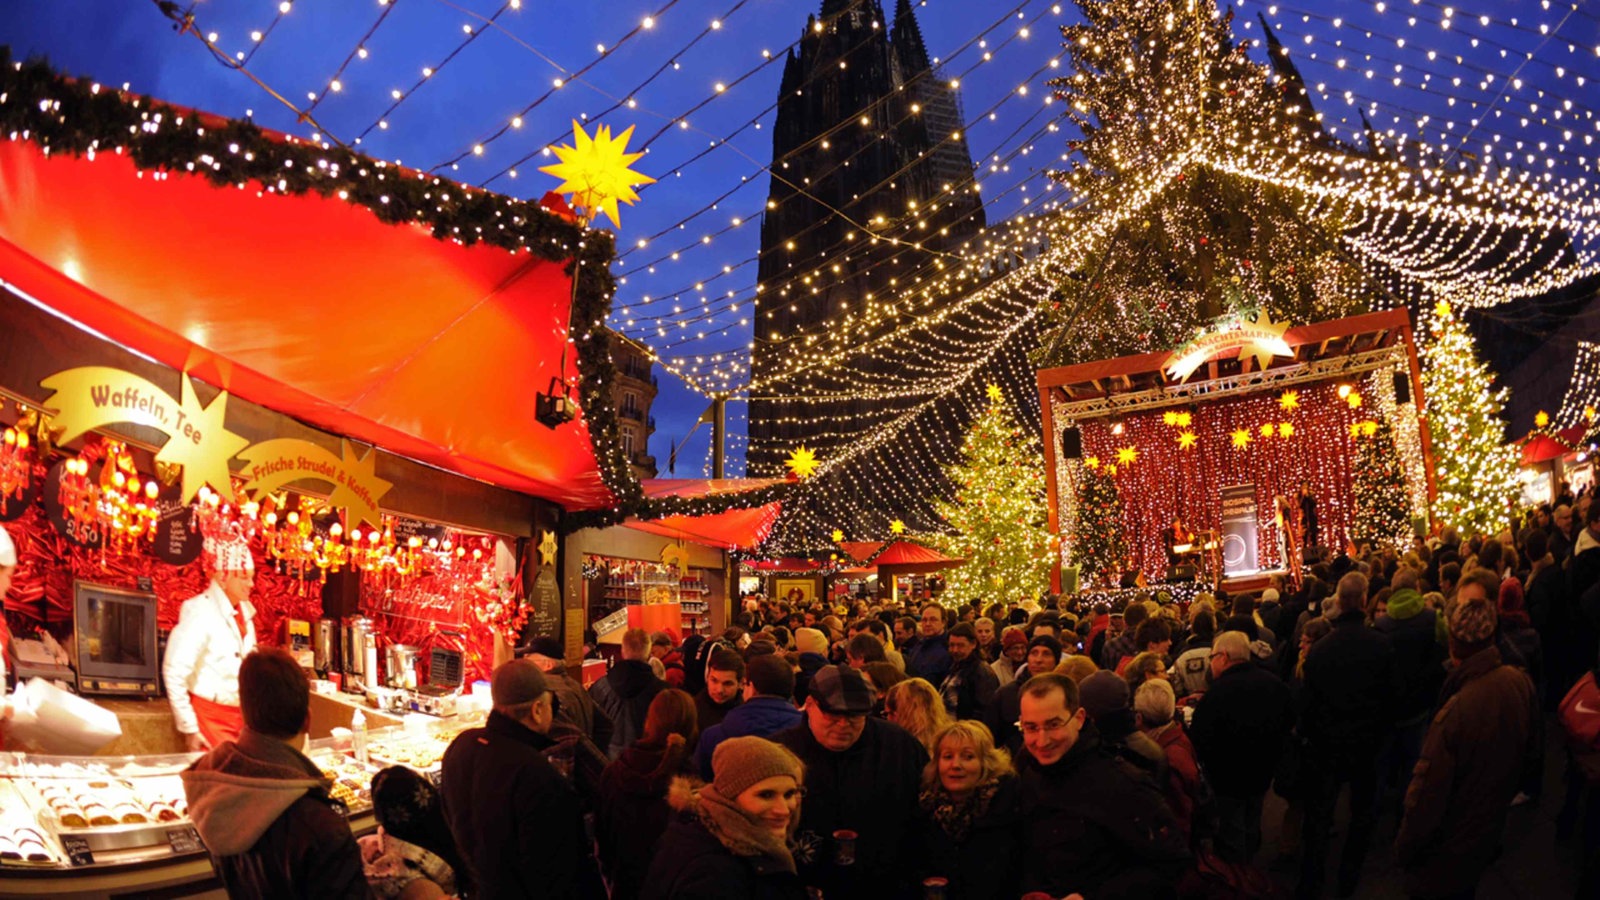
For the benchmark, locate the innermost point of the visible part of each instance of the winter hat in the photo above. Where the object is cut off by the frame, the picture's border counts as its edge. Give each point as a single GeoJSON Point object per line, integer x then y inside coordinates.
{"type": "Point", "coordinates": [1103, 693]}
{"type": "Point", "coordinates": [841, 690]}
{"type": "Point", "coordinates": [1472, 621]}
{"type": "Point", "coordinates": [517, 682]}
{"type": "Point", "coordinates": [1270, 595]}
{"type": "Point", "coordinates": [8, 549]}
{"type": "Point", "coordinates": [1047, 642]}
{"type": "Point", "coordinates": [811, 640]}
{"type": "Point", "coordinates": [548, 647]}
{"type": "Point", "coordinates": [740, 762]}
{"type": "Point", "coordinates": [1012, 636]}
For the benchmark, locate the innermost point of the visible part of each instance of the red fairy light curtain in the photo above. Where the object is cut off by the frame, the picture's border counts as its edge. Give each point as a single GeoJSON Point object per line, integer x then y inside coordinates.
{"type": "Point", "coordinates": [1163, 478]}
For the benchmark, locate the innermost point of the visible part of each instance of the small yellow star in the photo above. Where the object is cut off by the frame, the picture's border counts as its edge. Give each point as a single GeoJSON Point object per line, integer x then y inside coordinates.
{"type": "Point", "coordinates": [1170, 417]}
{"type": "Point", "coordinates": [1186, 440]}
{"type": "Point", "coordinates": [802, 463]}
{"type": "Point", "coordinates": [837, 535]}
{"type": "Point", "coordinates": [1184, 420]}
{"type": "Point", "coordinates": [1285, 429]}
{"type": "Point", "coordinates": [548, 547]}
{"type": "Point", "coordinates": [1241, 438]}
{"type": "Point", "coordinates": [897, 526]}
{"type": "Point", "coordinates": [1589, 413]}
{"type": "Point", "coordinates": [1442, 309]}
{"type": "Point", "coordinates": [1111, 470]}
{"type": "Point", "coordinates": [1092, 462]}
{"type": "Point", "coordinates": [1541, 419]}
{"type": "Point", "coordinates": [1369, 428]}
{"type": "Point", "coordinates": [1289, 400]}
{"type": "Point", "coordinates": [1267, 429]}
{"type": "Point", "coordinates": [995, 395]}
{"type": "Point", "coordinates": [1354, 399]}
{"type": "Point", "coordinates": [1127, 455]}
{"type": "Point", "coordinates": [1355, 429]}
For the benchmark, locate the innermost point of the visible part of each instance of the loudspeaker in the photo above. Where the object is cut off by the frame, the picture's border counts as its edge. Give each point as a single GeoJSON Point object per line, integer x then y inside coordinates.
{"type": "Point", "coordinates": [1180, 573]}
{"type": "Point", "coordinates": [341, 594]}
{"type": "Point", "coordinates": [1402, 388]}
{"type": "Point", "coordinates": [1071, 442]}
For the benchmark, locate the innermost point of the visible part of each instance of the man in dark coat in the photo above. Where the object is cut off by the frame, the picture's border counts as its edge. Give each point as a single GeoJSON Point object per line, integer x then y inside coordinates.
{"type": "Point", "coordinates": [863, 776]}
{"type": "Point", "coordinates": [766, 709]}
{"type": "Point", "coordinates": [1091, 825]}
{"type": "Point", "coordinates": [1348, 711]}
{"type": "Point", "coordinates": [518, 823]}
{"type": "Point", "coordinates": [1419, 666]}
{"type": "Point", "coordinates": [573, 703]}
{"type": "Point", "coordinates": [929, 658]}
{"type": "Point", "coordinates": [261, 807]}
{"type": "Point", "coordinates": [1239, 729]}
{"type": "Point", "coordinates": [1482, 743]}
{"type": "Point", "coordinates": [624, 694]}
{"type": "Point", "coordinates": [970, 687]}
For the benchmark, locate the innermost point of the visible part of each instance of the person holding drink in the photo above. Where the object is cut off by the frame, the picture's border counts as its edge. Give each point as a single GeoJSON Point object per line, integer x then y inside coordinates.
{"type": "Point", "coordinates": [969, 798]}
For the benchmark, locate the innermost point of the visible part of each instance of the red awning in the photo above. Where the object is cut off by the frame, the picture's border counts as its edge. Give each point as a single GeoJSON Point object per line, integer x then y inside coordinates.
{"type": "Point", "coordinates": [735, 529]}
{"type": "Point", "coordinates": [898, 553]}
{"type": "Point", "coordinates": [310, 306]}
{"type": "Point", "coordinates": [1541, 448]}
{"type": "Point", "coordinates": [784, 564]}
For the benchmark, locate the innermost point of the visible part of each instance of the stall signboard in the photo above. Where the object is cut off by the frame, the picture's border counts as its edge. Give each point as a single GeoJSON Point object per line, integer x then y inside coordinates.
{"type": "Point", "coordinates": [272, 464]}
{"type": "Point", "coordinates": [178, 540]}
{"type": "Point", "coordinates": [1239, 530]}
{"type": "Point", "coordinates": [544, 605]}
{"type": "Point", "coordinates": [614, 622]}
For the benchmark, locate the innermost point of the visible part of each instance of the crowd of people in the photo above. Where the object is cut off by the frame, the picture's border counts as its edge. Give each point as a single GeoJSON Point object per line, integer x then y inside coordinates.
{"type": "Point", "coordinates": [1032, 749]}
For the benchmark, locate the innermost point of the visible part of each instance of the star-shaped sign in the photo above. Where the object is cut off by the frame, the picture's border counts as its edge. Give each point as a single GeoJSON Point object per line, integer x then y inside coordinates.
{"type": "Point", "coordinates": [360, 489]}
{"type": "Point", "coordinates": [1185, 420]}
{"type": "Point", "coordinates": [1369, 428]}
{"type": "Point", "coordinates": [1442, 309]}
{"type": "Point", "coordinates": [202, 445]}
{"type": "Point", "coordinates": [1241, 438]}
{"type": "Point", "coordinates": [1169, 417]}
{"type": "Point", "coordinates": [1186, 440]}
{"type": "Point", "coordinates": [1267, 428]}
{"type": "Point", "coordinates": [1266, 341]}
{"type": "Point", "coordinates": [596, 173]}
{"type": "Point", "coordinates": [802, 463]}
{"type": "Point", "coordinates": [548, 548]}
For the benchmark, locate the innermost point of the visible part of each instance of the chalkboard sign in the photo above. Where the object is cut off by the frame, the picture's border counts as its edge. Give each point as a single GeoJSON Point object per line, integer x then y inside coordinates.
{"type": "Point", "coordinates": [77, 849]}
{"type": "Point", "coordinates": [83, 535]}
{"type": "Point", "coordinates": [13, 506]}
{"type": "Point", "coordinates": [544, 605]}
{"type": "Point", "coordinates": [406, 529]}
{"type": "Point", "coordinates": [185, 840]}
{"type": "Point", "coordinates": [178, 539]}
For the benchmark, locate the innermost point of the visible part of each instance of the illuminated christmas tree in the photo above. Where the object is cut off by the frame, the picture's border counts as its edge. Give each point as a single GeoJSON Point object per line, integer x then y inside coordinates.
{"type": "Point", "coordinates": [1098, 543]}
{"type": "Point", "coordinates": [1382, 508]}
{"type": "Point", "coordinates": [1476, 471]}
{"type": "Point", "coordinates": [997, 519]}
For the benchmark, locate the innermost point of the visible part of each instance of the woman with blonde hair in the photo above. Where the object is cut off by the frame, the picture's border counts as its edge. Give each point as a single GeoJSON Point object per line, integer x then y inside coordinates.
{"type": "Point", "coordinates": [916, 706]}
{"type": "Point", "coordinates": [970, 799]}
{"type": "Point", "coordinates": [1077, 667]}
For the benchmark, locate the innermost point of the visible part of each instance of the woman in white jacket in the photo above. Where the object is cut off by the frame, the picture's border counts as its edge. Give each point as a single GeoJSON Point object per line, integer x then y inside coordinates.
{"type": "Point", "coordinates": [214, 633]}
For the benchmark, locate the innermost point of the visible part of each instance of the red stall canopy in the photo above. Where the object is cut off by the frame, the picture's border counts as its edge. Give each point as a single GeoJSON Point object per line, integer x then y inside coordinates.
{"type": "Point", "coordinates": [735, 529]}
{"type": "Point", "coordinates": [310, 306]}
{"type": "Point", "coordinates": [898, 553]}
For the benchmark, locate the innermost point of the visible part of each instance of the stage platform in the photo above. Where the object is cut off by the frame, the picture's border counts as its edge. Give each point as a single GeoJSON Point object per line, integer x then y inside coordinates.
{"type": "Point", "coordinates": [1252, 584]}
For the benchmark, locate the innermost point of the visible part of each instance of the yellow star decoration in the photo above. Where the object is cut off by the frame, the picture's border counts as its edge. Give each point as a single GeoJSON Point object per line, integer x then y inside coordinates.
{"type": "Point", "coordinates": [1289, 400]}
{"type": "Point", "coordinates": [1286, 429]}
{"type": "Point", "coordinates": [897, 526]}
{"type": "Point", "coordinates": [1185, 420]}
{"type": "Point", "coordinates": [1442, 309]}
{"type": "Point", "coordinates": [1111, 470]}
{"type": "Point", "coordinates": [207, 462]}
{"type": "Point", "coordinates": [1355, 429]}
{"type": "Point", "coordinates": [1354, 399]}
{"type": "Point", "coordinates": [1169, 418]}
{"type": "Point", "coordinates": [1126, 455]}
{"type": "Point", "coordinates": [1541, 419]}
{"type": "Point", "coordinates": [1369, 428]}
{"type": "Point", "coordinates": [1267, 429]}
{"type": "Point", "coordinates": [1265, 348]}
{"type": "Point", "coordinates": [1589, 413]}
{"type": "Point", "coordinates": [1092, 462]}
{"type": "Point", "coordinates": [1186, 440]}
{"type": "Point", "coordinates": [548, 548]}
{"type": "Point", "coordinates": [596, 172]}
{"type": "Point", "coordinates": [1241, 438]}
{"type": "Point", "coordinates": [994, 392]}
{"type": "Point", "coordinates": [837, 535]}
{"type": "Point", "coordinates": [802, 462]}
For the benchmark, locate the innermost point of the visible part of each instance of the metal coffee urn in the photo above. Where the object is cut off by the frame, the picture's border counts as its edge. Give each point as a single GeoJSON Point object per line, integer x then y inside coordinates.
{"type": "Point", "coordinates": [360, 654]}
{"type": "Point", "coordinates": [325, 648]}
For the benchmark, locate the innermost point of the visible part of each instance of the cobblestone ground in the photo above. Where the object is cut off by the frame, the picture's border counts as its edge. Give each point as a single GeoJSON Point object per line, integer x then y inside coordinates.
{"type": "Point", "coordinates": [1534, 866]}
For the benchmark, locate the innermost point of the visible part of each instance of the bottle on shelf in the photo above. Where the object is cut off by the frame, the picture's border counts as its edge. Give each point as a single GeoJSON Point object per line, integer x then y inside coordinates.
{"type": "Point", "coordinates": [358, 736]}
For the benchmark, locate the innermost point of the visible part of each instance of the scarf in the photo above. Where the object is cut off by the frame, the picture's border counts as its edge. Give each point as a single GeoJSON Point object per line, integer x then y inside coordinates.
{"type": "Point", "coordinates": [956, 816]}
{"type": "Point", "coordinates": [742, 835]}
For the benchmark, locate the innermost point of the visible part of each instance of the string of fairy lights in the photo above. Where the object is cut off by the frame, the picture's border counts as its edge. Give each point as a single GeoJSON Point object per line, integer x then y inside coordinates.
{"type": "Point", "coordinates": [929, 336]}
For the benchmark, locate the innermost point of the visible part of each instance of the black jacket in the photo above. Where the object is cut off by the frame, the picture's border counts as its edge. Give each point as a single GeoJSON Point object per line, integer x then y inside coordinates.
{"type": "Point", "coordinates": [574, 704]}
{"type": "Point", "coordinates": [708, 713]}
{"type": "Point", "coordinates": [1093, 825]}
{"type": "Point", "coordinates": [516, 820]}
{"type": "Point", "coordinates": [691, 864]}
{"type": "Point", "coordinates": [263, 811]}
{"type": "Point", "coordinates": [870, 789]}
{"type": "Point", "coordinates": [634, 813]}
{"type": "Point", "coordinates": [1239, 729]}
{"type": "Point", "coordinates": [624, 696]}
{"type": "Point", "coordinates": [969, 688]}
{"type": "Point", "coordinates": [1418, 661]}
{"type": "Point", "coordinates": [983, 865]}
{"type": "Point", "coordinates": [1349, 691]}
{"type": "Point", "coordinates": [1002, 715]}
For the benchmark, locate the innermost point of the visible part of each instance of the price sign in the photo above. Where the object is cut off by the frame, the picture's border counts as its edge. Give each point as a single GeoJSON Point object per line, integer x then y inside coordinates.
{"type": "Point", "coordinates": [77, 849]}
{"type": "Point", "coordinates": [185, 840]}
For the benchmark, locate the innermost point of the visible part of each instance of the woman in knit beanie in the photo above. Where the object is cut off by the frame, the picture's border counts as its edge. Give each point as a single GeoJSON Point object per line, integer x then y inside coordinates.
{"type": "Point", "coordinates": [732, 839]}
{"type": "Point", "coordinates": [413, 853]}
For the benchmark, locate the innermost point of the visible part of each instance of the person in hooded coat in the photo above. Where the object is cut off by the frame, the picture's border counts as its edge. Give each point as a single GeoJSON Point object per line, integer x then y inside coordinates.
{"type": "Point", "coordinates": [261, 807]}
{"type": "Point", "coordinates": [633, 792]}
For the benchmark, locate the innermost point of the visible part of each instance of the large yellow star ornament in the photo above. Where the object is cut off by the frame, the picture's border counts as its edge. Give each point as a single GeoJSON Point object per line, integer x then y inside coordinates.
{"type": "Point", "coordinates": [1186, 440]}
{"type": "Point", "coordinates": [897, 526]}
{"type": "Point", "coordinates": [1241, 438]}
{"type": "Point", "coordinates": [1126, 455]}
{"type": "Point", "coordinates": [1541, 419]}
{"type": "Point", "coordinates": [596, 173]}
{"type": "Point", "coordinates": [837, 535]}
{"type": "Point", "coordinates": [1289, 400]}
{"type": "Point", "coordinates": [802, 463]}
{"type": "Point", "coordinates": [995, 394]}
